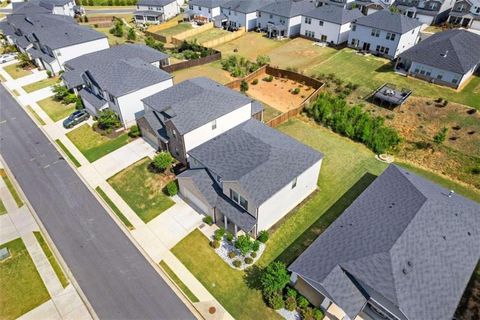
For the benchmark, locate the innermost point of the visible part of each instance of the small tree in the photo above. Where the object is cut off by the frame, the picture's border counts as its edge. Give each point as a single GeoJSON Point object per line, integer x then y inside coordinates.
{"type": "Point", "coordinates": [24, 60]}
{"type": "Point", "coordinates": [131, 35]}
{"type": "Point", "coordinates": [262, 60]}
{"type": "Point", "coordinates": [60, 91]}
{"type": "Point", "coordinates": [244, 86]}
{"type": "Point", "coordinates": [244, 244]}
{"type": "Point", "coordinates": [439, 138]}
{"type": "Point", "coordinates": [117, 30]}
{"type": "Point", "coordinates": [171, 188]}
{"type": "Point", "coordinates": [162, 161]}
{"type": "Point", "coordinates": [274, 278]}
{"type": "Point", "coordinates": [263, 236]}
{"type": "Point", "coordinates": [108, 120]}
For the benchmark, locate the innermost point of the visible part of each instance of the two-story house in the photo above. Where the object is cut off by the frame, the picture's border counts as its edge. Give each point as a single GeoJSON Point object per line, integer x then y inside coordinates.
{"type": "Point", "coordinates": [466, 14]}
{"type": "Point", "coordinates": [283, 18]}
{"type": "Point", "coordinates": [203, 11]}
{"type": "Point", "coordinates": [192, 112]}
{"type": "Point", "coordinates": [405, 249]}
{"type": "Point", "coordinates": [384, 33]}
{"type": "Point", "coordinates": [118, 78]}
{"type": "Point", "coordinates": [242, 13]}
{"type": "Point", "coordinates": [330, 24]}
{"type": "Point", "coordinates": [155, 11]}
{"type": "Point", "coordinates": [448, 58]}
{"type": "Point", "coordinates": [51, 40]}
{"type": "Point", "coordinates": [249, 177]}
{"type": "Point", "coordinates": [61, 7]}
{"type": "Point", "coordinates": [428, 12]}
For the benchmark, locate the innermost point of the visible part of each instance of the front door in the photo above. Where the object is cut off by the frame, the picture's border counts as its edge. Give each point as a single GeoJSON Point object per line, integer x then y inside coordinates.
{"type": "Point", "coordinates": [366, 46]}
{"type": "Point", "coordinates": [323, 38]}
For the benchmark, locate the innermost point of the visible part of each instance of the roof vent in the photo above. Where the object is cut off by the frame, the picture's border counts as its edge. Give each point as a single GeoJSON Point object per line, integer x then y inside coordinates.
{"type": "Point", "coordinates": [409, 263]}
{"type": "Point", "coordinates": [469, 234]}
{"type": "Point", "coordinates": [444, 237]}
{"type": "Point", "coordinates": [405, 271]}
{"type": "Point", "coordinates": [444, 54]}
{"type": "Point", "coordinates": [450, 194]}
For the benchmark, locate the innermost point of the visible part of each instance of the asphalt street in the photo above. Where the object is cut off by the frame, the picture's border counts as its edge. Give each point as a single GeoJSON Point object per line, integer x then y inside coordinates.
{"type": "Point", "coordinates": [116, 278]}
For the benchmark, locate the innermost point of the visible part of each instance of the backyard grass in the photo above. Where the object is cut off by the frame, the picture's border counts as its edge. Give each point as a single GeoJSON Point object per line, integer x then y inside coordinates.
{"type": "Point", "coordinates": [68, 153]}
{"type": "Point", "coordinates": [55, 109]}
{"type": "Point", "coordinates": [114, 208]}
{"type": "Point", "coordinates": [179, 282]}
{"type": "Point", "coordinates": [142, 189]}
{"type": "Point", "coordinates": [40, 84]}
{"type": "Point", "coordinates": [35, 115]}
{"type": "Point", "coordinates": [181, 27]}
{"type": "Point", "coordinates": [93, 145]}
{"type": "Point", "coordinates": [211, 70]}
{"type": "Point", "coordinates": [21, 287]}
{"type": "Point", "coordinates": [250, 45]}
{"type": "Point", "coordinates": [208, 35]}
{"type": "Point", "coordinates": [11, 188]}
{"type": "Point", "coordinates": [15, 71]}
{"type": "Point", "coordinates": [51, 258]}
{"type": "Point", "coordinates": [3, 210]}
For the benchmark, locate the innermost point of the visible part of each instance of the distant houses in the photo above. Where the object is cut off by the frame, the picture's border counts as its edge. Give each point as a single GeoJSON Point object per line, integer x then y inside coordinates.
{"type": "Point", "coordinates": [466, 14]}
{"type": "Point", "coordinates": [241, 13]}
{"type": "Point", "coordinates": [427, 12]}
{"type": "Point", "coordinates": [203, 11]}
{"type": "Point", "coordinates": [155, 11]}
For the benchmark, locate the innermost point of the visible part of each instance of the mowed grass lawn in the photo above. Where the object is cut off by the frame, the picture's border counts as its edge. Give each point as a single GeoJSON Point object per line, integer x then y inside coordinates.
{"type": "Point", "coordinates": [250, 45]}
{"type": "Point", "coordinates": [93, 145]}
{"type": "Point", "coordinates": [15, 71]}
{"type": "Point", "coordinates": [40, 84]}
{"type": "Point", "coordinates": [142, 190]}
{"type": "Point", "coordinates": [208, 35]}
{"type": "Point", "coordinates": [212, 70]}
{"type": "Point", "coordinates": [21, 288]}
{"type": "Point", "coordinates": [181, 27]}
{"type": "Point", "coordinates": [56, 110]}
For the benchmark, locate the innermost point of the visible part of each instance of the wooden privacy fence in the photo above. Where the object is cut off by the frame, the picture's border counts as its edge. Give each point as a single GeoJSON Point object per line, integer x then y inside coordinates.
{"type": "Point", "coordinates": [235, 84]}
{"type": "Point", "coordinates": [158, 37]}
{"type": "Point", "coordinates": [165, 25]}
{"type": "Point", "coordinates": [192, 63]}
{"type": "Point", "coordinates": [226, 38]}
{"type": "Point", "coordinates": [191, 32]}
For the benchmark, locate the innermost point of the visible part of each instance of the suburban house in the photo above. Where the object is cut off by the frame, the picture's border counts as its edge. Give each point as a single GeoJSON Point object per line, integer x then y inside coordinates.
{"type": "Point", "coordinates": [155, 11]}
{"type": "Point", "coordinates": [384, 33]}
{"type": "Point", "coordinates": [192, 112]}
{"type": "Point", "coordinates": [329, 24]}
{"type": "Point", "coordinates": [427, 12]}
{"type": "Point", "coordinates": [466, 14]}
{"type": "Point", "coordinates": [283, 18]}
{"type": "Point", "coordinates": [60, 7]}
{"type": "Point", "coordinates": [118, 78]}
{"type": "Point", "coordinates": [404, 249]}
{"type": "Point", "coordinates": [448, 58]}
{"type": "Point", "coordinates": [203, 11]}
{"type": "Point", "coordinates": [51, 40]}
{"type": "Point", "coordinates": [240, 13]}
{"type": "Point", "coordinates": [249, 177]}
{"type": "Point", "coordinates": [346, 4]}
{"type": "Point", "coordinates": [370, 6]}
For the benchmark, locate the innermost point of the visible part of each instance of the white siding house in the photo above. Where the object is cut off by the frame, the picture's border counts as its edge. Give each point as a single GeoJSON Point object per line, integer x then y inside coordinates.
{"type": "Point", "coordinates": [384, 33]}
{"type": "Point", "coordinates": [427, 12]}
{"type": "Point", "coordinates": [242, 13]}
{"type": "Point", "coordinates": [204, 10]}
{"type": "Point", "coordinates": [155, 11]}
{"type": "Point", "coordinates": [60, 7]}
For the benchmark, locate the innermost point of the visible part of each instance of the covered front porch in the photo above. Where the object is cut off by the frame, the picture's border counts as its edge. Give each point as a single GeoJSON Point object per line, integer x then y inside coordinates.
{"type": "Point", "coordinates": [461, 19]}
{"type": "Point", "coordinates": [148, 17]}
{"type": "Point", "coordinates": [276, 30]}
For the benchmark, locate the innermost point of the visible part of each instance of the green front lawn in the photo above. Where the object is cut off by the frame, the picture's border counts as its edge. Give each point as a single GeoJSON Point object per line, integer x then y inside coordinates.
{"type": "Point", "coordinates": [21, 287]}
{"type": "Point", "coordinates": [56, 110]}
{"type": "Point", "coordinates": [210, 70]}
{"type": "Point", "coordinates": [51, 258]}
{"type": "Point", "coordinates": [15, 71]}
{"type": "Point", "coordinates": [11, 188]}
{"type": "Point", "coordinates": [40, 84]}
{"type": "Point", "coordinates": [142, 189]}
{"type": "Point", "coordinates": [93, 145]}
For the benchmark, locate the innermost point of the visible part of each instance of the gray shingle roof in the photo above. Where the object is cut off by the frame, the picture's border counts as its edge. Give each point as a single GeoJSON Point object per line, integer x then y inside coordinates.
{"type": "Point", "coordinates": [157, 3]}
{"type": "Point", "coordinates": [157, 125]}
{"type": "Point", "coordinates": [388, 21]}
{"type": "Point", "coordinates": [216, 199]}
{"type": "Point", "coordinates": [289, 8]}
{"type": "Point", "coordinates": [76, 67]}
{"type": "Point", "coordinates": [28, 8]}
{"type": "Point", "coordinates": [334, 14]}
{"type": "Point", "coordinates": [196, 102]}
{"type": "Point", "coordinates": [403, 240]}
{"type": "Point", "coordinates": [94, 100]}
{"type": "Point", "coordinates": [207, 3]}
{"type": "Point", "coordinates": [246, 6]}
{"type": "Point", "coordinates": [50, 4]}
{"type": "Point", "coordinates": [462, 50]}
{"type": "Point", "coordinates": [261, 159]}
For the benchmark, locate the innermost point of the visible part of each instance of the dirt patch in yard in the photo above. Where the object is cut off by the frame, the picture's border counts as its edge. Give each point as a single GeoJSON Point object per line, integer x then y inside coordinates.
{"type": "Point", "coordinates": [279, 92]}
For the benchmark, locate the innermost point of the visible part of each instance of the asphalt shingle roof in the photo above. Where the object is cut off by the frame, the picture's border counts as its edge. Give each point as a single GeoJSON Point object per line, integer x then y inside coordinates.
{"type": "Point", "coordinates": [403, 240]}
{"type": "Point", "coordinates": [245, 6]}
{"type": "Point", "coordinates": [388, 21]}
{"type": "Point", "coordinates": [289, 8]}
{"type": "Point", "coordinates": [334, 14]}
{"type": "Point", "coordinates": [261, 159]}
{"type": "Point", "coordinates": [207, 3]}
{"type": "Point", "coordinates": [157, 3]}
{"type": "Point", "coordinates": [196, 102]}
{"type": "Point", "coordinates": [452, 50]}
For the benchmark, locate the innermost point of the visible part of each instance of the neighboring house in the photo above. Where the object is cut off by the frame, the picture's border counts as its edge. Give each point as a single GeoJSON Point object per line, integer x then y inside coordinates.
{"type": "Point", "coordinates": [118, 78]}
{"type": "Point", "coordinates": [427, 12]}
{"type": "Point", "coordinates": [466, 14]}
{"type": "Point", "coordinates": [204, 11]}
{"type": "Point", "coordinates": [51, 40]}
{"type": "Point", "coordinates": [330, 24]}
{"type": "Point", "coordinates": [346, 4]}
{"type": "Point", "coordinates": [404, 249]}
{"type": "Point", "coordinates": [192, 112]}
{"type": "Point", "coordinates": [449, 58]}
{"type": "Point", "coordinates": [60, 7]}
{"type": "Point", "coordinates": [250, 177]}
{"type": "Point", "coordinates": [368, 7]}
{"type": "Point", "coordinates": [155, 11]}
{"type": "Point", "coordinates": [384, 33]}
{"type": "Point", "coordinates": [283, 18]}
{"type": "Point", "coordinates": [241, 13]}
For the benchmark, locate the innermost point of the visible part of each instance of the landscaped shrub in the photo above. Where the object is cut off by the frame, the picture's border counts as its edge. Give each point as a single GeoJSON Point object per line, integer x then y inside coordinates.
{"type": "Point", "coordinates": [439, 138]}
{"type": "Point", "coordinates": [255, 245]}
{"type": "Point", "coordinates": [244, 86]}
{"type": "Point", "coordinates": [219, 233]}
{"type": "Point", "coordinates": [302, 302]}
{"type": "Point", "coordinates": [134, 132]}
{"type": "Point", "coordinates": [255, 82]}
{"type": "Point", "coordinates": [296, 91]}
{"type": "Point", "coordinates": [152, 43]}
{"type": "Point", "coordinates": [162, 161]}
{"type": "Point", "coordinates": [117, 29]}
{"type": "Point", "coordinates": [70, 98]}
{"type": "Point", "coordinates": [232, 254]}
{"type": "Point", "coordinates": [49, 73]}
{"type": "Point", "coordinates": [253, 254]}
{"type": "Point", "coordinates": [262, 60]}
{"type": "Point", "coordinates": [229, 236]}
{"type": "Point", "coordinates": [172, 188]}
{"type": "Point", "coordinates": [275, 300]}
{"type": "Point", "coordinates": [317, 314]}
{"type": "Point", "coordinates": [215, 244]}
{"type": "Point", "coordinates": [25, 60]}
{"type": "Point", "coordinates": [290, 304]}
{"type": "Point", "coordinates": [237, 263]}
{"type": "Point", "coordinates": [60, 92]}
{"type": "Point", "coordinates": [131, 35]}
{"type": "Point", "coordinates": [239, 67]}
{"type": "Point", "coordinates": [79, 104]}
{"type": "Point", "coordinates": [244, 244]}
{"type": "Point", "coordinates": [248, 260]}
{"type": "Point", "coordinates": [208, 220]}
{"type": "Point", "coordinates": [306, 313]}
{"type": "Point", "coordinates": [268, 79]}
{"type": "Point", "coordinates": [291, 293]}
{"type": "Point", "coordinates": [263, 236]}
{"type": "Point", "coordinates": [274, 278]}
{"type": "Point", "coordinates": [108, 120]}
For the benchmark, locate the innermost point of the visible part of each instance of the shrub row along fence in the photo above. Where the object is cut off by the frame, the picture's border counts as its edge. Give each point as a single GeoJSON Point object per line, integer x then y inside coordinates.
{"type": "Point", "coordinates": [193, 63]}
{"type": "Point", "coordinates": [286, 74]}
{"type": "Point", "coordinates": [226, 38]}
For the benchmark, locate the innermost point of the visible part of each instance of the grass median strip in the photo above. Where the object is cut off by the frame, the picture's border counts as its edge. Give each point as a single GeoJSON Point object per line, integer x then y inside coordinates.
{"type": "Point", "coordinates": [11, 188]}
{"type": "Point", "coordinates": [3, 210]}
{"type": "Point", "coordinates": [36, 116]}
{"type": "Point", "coordinates": [115, 209]}
{"type": "Point", "coordinates": [51, 258]}
{"type": "Point", "coordinates": [68, 153]}
{"type": "Point", "coordinates": [179, 282]}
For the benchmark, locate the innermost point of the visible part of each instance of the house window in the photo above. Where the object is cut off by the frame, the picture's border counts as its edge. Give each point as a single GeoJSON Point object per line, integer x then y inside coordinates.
{"type": "Point", "coordinates": [259, 13]}
{"type": "Point", "coordinates": [309, 34]}
{"type": "Point", "coordinates": [439, 76]}
{"type": "Point", "coordinates": [354, 27]}
{"type": "Point", "coordinates": [214, 124]}
{"type": "Point", "coordinates": [375, 33]}
{"type": "Point", "coordinates": [200, 8]}
{"type": "Point", "coordinates": [112, 98]}
{"type": "Point", "coordinates": [320, 23]}
{"type": "Point", "coordinates": [308, 20]}
{"type": "Point", "coordinates": [174, 133]}
{"type": "Point", "coordinates": [390, 36]}
{"type": "Point", "coordinates": [150, 8]}
{"type": "Point", "coordinates": [271, 16]}
{"type": "Point", "coordinates": [234, 196]}
{"type": "Point", "coordinates": [59, 54]}
{"type": "Point", "coordinates": [176, 151]}
{"type": "Point", "coordinates": [243, 203]}
{"type": "Point", "coordinates": [209, 10]}
{"type": "Point", "coordinates": [190, 7]}
{"type": "Point", "coordinates": [238, 199]}
{"type": "Point", "coordinates": [294, 183]}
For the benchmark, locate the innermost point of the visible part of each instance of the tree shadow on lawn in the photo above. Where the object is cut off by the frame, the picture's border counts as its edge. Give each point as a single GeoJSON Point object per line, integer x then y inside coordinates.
{"type": "Point", "coordinates": [252, 277]}
{"type": "Point", "coordinates": [386, 68]}
{"type": "Point", "coordinates": [306, 238]}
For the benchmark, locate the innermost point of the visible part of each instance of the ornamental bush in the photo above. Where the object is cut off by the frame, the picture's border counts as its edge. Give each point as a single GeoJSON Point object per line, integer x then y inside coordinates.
{"type": "Point", "coordinates": [134, 132]}
{"type": "Point", "coordinates": [255, 82]}
{"type": "Point", "coordinates": [172, 188]}
{"type": "Point", "coordinates": [208, 220]}
{"type": "Point", "coordinates": [268, 79]}
{"type": "Point", "coordinates": [291, 292]}
{"type": "Point", "coordinates": [232, 254]}
{"type": "Point", "coordinates": [296, 91]}
{"type": "Point", "coordinates": [253, 254]}
{"type": "Point", "coordinates": [219, 233]}
{"type": "Point", "coordinates": [237, 263]}
{"type": "Point", "coordinates": [244, 244]}
{"type": "Point", "coordinates": [229, 236]}
{"type": "Point", "coordinates": [108, 120]}
{"type": "Point", "coordinates": [162, 161]}
{"type": "Point", "coordinates": [275, 301]}
{"type": "Point", "coordinates": [302, 302]}
{"type": "Point", "coordinates": [248, 260]}
{"type": "Point", "coordinates": [274, 277]}
{"type": "Point", "coordinates": [318, 314]}
{"type": "Point", "coordinates": [263, 236]}
{"type": "Point", "coordinates": [290, 304]}
{"type": "Point", "coordinates": [244, 86]}
{"type": "Point", "coordinates": [255, 245]}
{"type": "Point", "coordinates": [215, 244]}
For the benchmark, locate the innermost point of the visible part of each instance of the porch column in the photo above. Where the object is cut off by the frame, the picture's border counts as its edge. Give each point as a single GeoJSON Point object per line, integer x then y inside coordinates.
{"type": "Point", "coordinates": [235, 230]}
{"type": "Point", "coordinates": [225, 220]}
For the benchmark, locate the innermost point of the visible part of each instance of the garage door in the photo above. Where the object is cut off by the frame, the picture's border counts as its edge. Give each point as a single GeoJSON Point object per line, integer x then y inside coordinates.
{"type": "Point", "coordinates": [195, 200]}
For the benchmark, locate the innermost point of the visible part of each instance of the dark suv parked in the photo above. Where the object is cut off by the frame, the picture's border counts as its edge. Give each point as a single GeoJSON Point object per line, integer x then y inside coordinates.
{"type": "Point", "coordinates": [75, 118]}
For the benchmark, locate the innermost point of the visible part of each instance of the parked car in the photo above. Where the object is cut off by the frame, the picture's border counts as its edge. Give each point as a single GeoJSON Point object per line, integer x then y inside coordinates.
{"type": "Point", "coordinates": [7, 57]}
{"type": "Point", "coordinates": [75, 118]}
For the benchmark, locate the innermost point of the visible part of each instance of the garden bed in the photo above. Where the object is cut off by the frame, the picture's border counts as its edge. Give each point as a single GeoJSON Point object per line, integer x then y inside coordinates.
{"type": "Point", "coordinates": [227, 248]}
